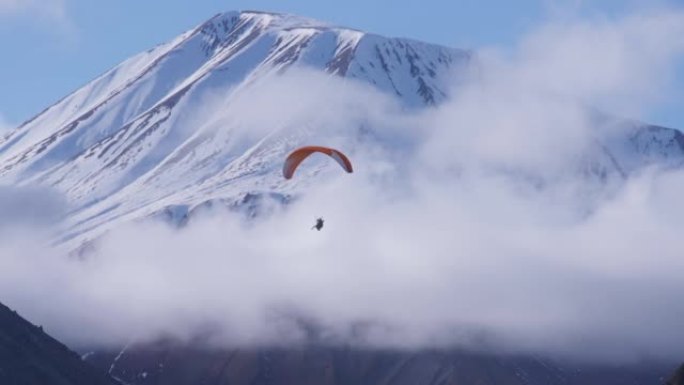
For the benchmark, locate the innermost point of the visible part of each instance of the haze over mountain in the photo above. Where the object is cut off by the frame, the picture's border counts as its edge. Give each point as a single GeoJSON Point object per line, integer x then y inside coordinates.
{"type": "Point", "coordinates": [493, 206]}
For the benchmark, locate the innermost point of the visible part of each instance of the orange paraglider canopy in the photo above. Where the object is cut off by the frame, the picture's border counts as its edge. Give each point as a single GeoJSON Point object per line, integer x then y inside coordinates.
{"type": "Point", "coordinates": [297, 156]}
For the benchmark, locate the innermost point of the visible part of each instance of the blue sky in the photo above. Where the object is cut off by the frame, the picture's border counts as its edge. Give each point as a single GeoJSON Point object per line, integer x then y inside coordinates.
{"type": "Point", "coordinates": [51, 47]}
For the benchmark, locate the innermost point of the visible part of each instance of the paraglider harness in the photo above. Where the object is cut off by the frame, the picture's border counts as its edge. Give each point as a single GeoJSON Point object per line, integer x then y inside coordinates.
{"type": "Point", "coordinates": [319, 224]}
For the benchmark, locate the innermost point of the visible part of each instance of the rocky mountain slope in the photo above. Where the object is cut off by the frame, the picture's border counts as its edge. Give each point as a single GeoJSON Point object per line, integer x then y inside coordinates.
{"type": "Point", "coordinates": [175, 364]}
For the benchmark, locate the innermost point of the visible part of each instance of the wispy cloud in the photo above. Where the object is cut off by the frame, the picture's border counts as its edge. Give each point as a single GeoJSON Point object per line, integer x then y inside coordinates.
{"type": "Point", "coordinates": [4, 124]}
{"type": "Point", "coordinates": [55, 9]}
{"type": "Point", "coordinates": [33, 12]}
{"type": "Point", "coordinates": [624, 65]}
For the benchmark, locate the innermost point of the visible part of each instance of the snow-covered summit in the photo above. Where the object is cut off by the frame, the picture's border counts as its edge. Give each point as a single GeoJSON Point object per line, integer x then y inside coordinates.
{"type": "Point", "coordinates": [276, 20]}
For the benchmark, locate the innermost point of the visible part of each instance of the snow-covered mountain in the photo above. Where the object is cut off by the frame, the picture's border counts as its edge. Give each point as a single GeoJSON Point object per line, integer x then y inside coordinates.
{"type": "Point", "coordinates": [139, 140]}
{"type": "Point", "coordinates": [119, 147]}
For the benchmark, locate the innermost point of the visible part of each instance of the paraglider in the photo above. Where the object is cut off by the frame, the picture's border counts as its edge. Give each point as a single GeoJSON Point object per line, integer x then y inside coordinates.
{"type": "Point", "coordinates": [297, 156]}
{"type": "Point", "coordinates": [319, 224]}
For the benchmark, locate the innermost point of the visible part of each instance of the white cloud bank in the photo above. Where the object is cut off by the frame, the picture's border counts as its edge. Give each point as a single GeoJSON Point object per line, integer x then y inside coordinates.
{"type": "Point", "coordinates": [439, 242]}
{"type": "Point", "coordinates": [54, 9]}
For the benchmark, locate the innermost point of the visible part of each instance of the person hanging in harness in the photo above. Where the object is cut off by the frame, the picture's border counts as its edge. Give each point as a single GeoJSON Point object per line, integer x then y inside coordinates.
{"type": "Point", "coordinates": [319, 224]}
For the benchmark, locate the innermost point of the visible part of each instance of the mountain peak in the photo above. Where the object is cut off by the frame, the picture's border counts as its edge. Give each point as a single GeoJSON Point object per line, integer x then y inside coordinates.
{"type": "Point", "coordinates": [284, 27]}
{"type": "Point", "coordinates": [276, 20]}
{"type": "Point", "coordinates": [284, 20]}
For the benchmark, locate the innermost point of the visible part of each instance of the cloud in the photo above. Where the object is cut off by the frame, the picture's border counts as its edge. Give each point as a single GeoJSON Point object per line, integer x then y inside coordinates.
{"type": "Point", "coordinates": [11, 6]}
{"type": "Point", "coordinates": [622, 65]}
{"type": "Point", "coordinates": [53, 11]}
{"type": "Point", "coordinates": [469, 225]}
{"type": "Point", "coordinates": [4, 124]}
{"type": "Point", "coordinates": [472, 264]}
{"type": "Point", "coordinates": [29, 208]}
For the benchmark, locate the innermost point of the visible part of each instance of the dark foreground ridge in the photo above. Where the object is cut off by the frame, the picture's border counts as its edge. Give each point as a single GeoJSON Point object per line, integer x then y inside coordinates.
{"type": "Point", "coordinates": [677, 378]}
{"type": "Point", "coordinates": [28, 356]}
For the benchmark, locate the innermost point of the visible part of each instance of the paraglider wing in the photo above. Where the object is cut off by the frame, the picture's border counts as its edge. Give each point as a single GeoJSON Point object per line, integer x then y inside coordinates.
{"type": "Point", "coordinates": [297, 156]}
